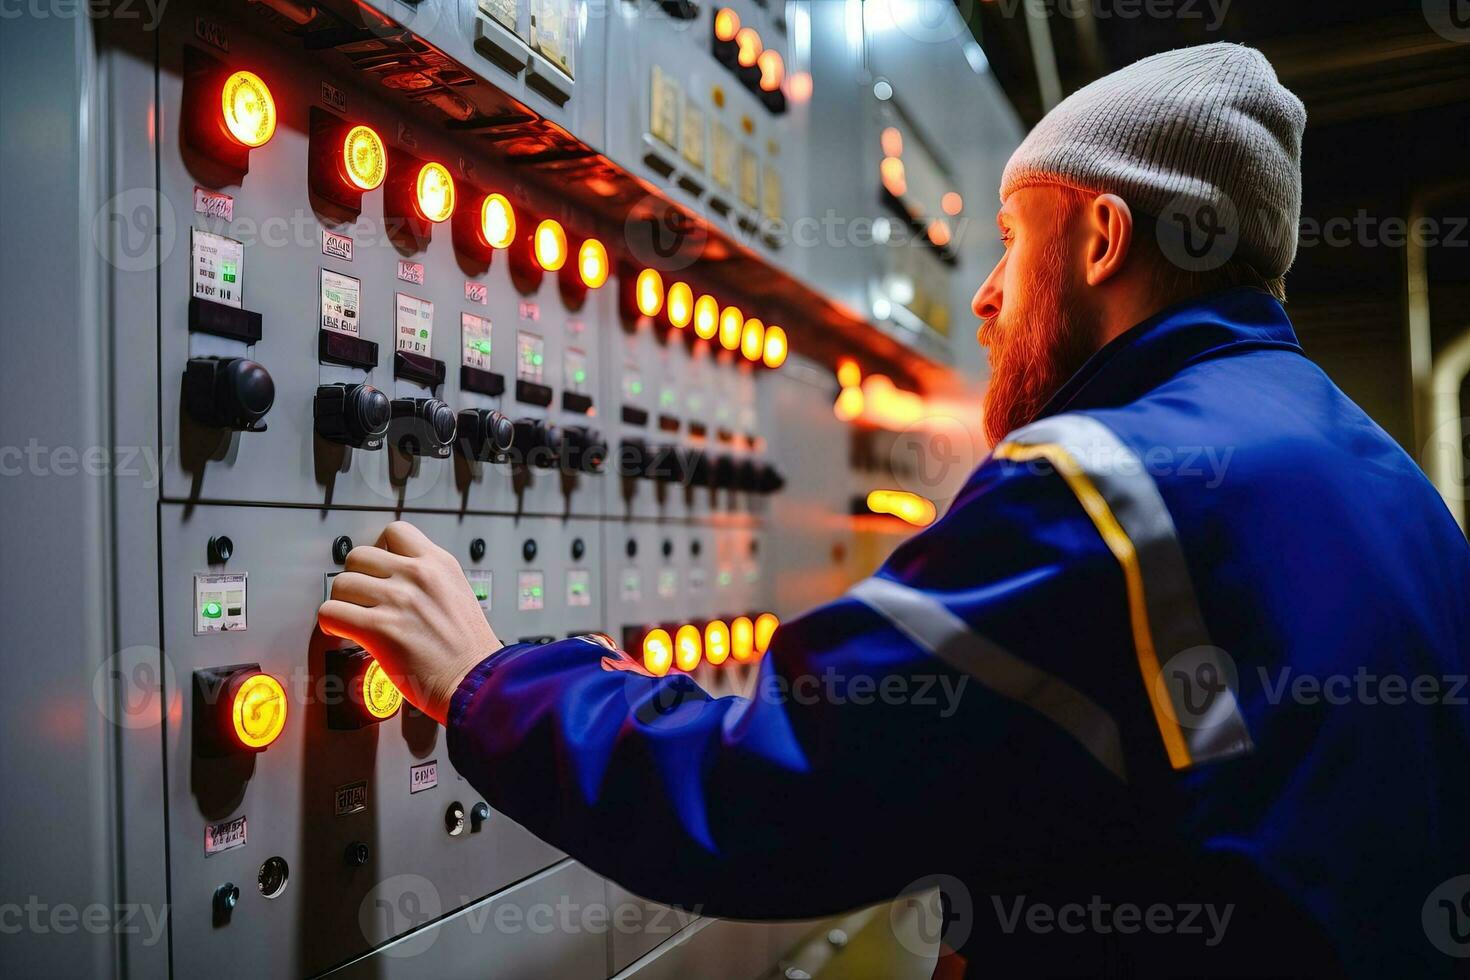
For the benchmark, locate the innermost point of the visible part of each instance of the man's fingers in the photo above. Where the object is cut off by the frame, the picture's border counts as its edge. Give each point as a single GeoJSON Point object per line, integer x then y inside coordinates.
{"type": "Point", "coordinates": [402, 538]}
{"type": "Point", "coordinates": [344, 619]}
{"type": "Point", "coordinates": [374, 561]}
{"type": "Point", "coordinates": [359, 589]}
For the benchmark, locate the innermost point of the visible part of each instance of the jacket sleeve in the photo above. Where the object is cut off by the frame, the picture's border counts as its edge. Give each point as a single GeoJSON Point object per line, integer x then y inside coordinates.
{"type": "Point", "coordinates": [949, 713]}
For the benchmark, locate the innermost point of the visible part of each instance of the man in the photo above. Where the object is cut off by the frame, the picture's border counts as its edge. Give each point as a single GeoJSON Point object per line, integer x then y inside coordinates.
{"type": "Point", "coordinates": [1202, 618]}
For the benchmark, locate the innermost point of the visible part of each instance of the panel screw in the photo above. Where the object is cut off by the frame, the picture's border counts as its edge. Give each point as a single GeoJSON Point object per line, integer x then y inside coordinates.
{"type": "Point", "coordinates": [220, 549]}
{"type": "Point", "coordinates": [477, 549]}
{"type": "Point", "coordinates": [340, 548]}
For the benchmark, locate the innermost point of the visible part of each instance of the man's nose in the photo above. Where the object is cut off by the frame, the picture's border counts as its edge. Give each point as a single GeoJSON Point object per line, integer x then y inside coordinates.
{"type": "Point", "coordinates": [987, 301]}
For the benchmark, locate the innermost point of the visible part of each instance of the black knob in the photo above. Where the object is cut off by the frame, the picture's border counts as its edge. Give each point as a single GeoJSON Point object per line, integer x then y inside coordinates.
{"type": "Point", "coordinates": [423, 427]}
{"type": "Point", "coordinates": [668, 464]}
{"type": "Point", "coordinates": [532, 443]}
{"type": "Point", "coordinates": [228, 392]}
{"type": "Point", "coordinates": [341, 548]}
{"type": "Point", "coordinates": [745, 475]}
{"type": "Point", "coordinates": [633, 458]}
{"type": "Point", "coordinates": [769, 479]}
{"type": "Point", "coordinates": [581, 448]}
{"type": "Point", "coordinates": [724, 472]}
{"type": "Point", "coordinates": [351, 414]}
{"type": "Point", "coordinates": [485, 434]}
{"type": "Point", "coordinates": [357, 854]}
{"type": "Point", "coordinates": [226, 897]}
{"type": "Point", "coordinates": [579, 548]}
{"type": "Point", "coordinates": [219, 549]}
{"type": "Point", "coordinates": [700, 471]}
{"type": "Point", "coordinates": [479, 813]}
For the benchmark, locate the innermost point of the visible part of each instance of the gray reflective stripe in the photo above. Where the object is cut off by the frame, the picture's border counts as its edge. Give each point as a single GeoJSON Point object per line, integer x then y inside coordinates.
{"type": "Point", "coordinates": [1212, 730]}
{"type": "Point", "coordinates": [940, 632]}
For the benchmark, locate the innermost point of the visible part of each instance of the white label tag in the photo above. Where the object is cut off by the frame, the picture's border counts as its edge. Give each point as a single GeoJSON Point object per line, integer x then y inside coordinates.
{"type": "Point", "coordinates": [530, 591]}
{"type": "Point", "coordinates": [334, 97]}
{"type": "Point", "coordinates": [481, 584]}
{"type": "Point", "coordinates": [219, 603]}
{"type": "Point", "coordinates": [351, 798]}
{"type": "Point", "coordinates": [530, 357]}
{"type": "Point", "coordinates": [340, 303]}
{"type": "Point", "coordinates": [579, 587]}
{"type": "Point", "coordinates": [574, 370]}
{"type": "Point", "coordinates": [213, 204]}
{"type": "Point", "coordinates": [476, 292]}
{"type": "Point", "coordinates": [668, 583]}
{"type": "Point", "coordinates": [474, 334]}
{"type": "Point", "coordinates": [218, 268]}
{"type": "Point", "coordinates": [630, 586]}
{"type": "Point", "coordinates": [696, 579]}
{"type": "Point", "coordinates": [412, 272]}
{"type": "Point", "coordinates": [424, 776]}
{"type": "Point", "coordinates": [224, 836]}
{"type": "Point", "coordinates": [337, 246]}
{"type": "Point", "coordinates": [414, 319]}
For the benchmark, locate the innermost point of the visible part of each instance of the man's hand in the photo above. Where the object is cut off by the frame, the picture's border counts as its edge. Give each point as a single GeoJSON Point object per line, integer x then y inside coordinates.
{"type": "Point", "coordinates": [407, 602]}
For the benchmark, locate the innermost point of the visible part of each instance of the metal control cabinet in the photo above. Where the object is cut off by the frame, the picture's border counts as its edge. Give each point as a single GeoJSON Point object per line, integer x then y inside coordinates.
{"type": "Point", "coordinates": [361, 851]}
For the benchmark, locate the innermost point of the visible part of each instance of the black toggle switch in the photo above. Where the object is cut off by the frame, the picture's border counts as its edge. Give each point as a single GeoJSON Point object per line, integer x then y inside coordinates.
{"type": "Point", "coordinates": [352, 414]}
{"type": "Point", "coordinates": [533, 444]}
{"type": "Point", "coordinates": [479, 813]}
{"type": "Point", "coordinates": [633, 458]}
{"type": "Point", "coordinates": [580, 449]}
{"type": "Point", "coordinates": [724, 472]}
{"type": "Point", "coordinates": [228, 392]}
{"type": "Point", "coordinates": [700, 471]}
{"type": "Point", "coordinates": [745, 475]}
{"type": "Point", "coordinates": [485, 434]}
{"type": "Point", "coordinates": [668, 464]}
{"type": "Point", "coordinates": [423, 427]}
{"type": "Point", "coordinates": [768, 479]}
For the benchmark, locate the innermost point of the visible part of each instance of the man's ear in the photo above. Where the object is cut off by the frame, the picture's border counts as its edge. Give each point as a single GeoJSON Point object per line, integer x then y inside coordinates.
{"type": "Point", "coordinates": [1109, 223]}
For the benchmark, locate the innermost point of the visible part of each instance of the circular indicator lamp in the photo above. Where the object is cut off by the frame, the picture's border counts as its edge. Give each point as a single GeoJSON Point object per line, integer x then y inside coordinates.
{"type": "Point", "coordinates": [249, 110]}
{"type": "Point", "coordinates": [742, 639]}
{"type": "Point", "coordinates": [749, 43]}
{"type": "Point", "coordinates": [497, 221]}
{"type": "Point", "coordinates": [658, 652]}
{"type": "Point", "coordinates": [380, 696]}
{"type": "Point", "coordinates": [649, 291]}
{"type": "Point", "coordinates": [939, 232]}
{"type": "Point", "coordinates": [732, 321]}
{"type": "Point", "coordinates": [849, 404]}
{"type": "Point", "coordinates": [773, 69]}
{"type": "Point", "coordinates": [765, 626]}
{"type": "Point", "coordinates": [258, 711]}
{"type": "Point", "coordinates": [687, 648]}
{"type": "Point", "coordinates": [681, 304]}
{"type": "Point", "coordinates": [716, 642]}
{"type": "Point", "coordinates": [727, 24]}
{"type": "Point", "coordinates": [551, 245]}
{"type": "Point", "coordinates": [706, 317]}
{"type": "Point", "coordinates": [752, 339]}
{"type": "Point", "coordinates": [364, 161]}
{"type": "Point", "coordinates": [592, 263]}
{"type": "Point", "coordinates": [891, 170]}
{"type": "Point", "coordinates": [849, 374]}
{"type": "Point", "coordinates": [434, 192]}
{"type": "Point", "coordinates": [775, 349]}
{"type": "Point", "coordinates": [892, 142]}
{"type": "Point", "coordinates": [952, 203]}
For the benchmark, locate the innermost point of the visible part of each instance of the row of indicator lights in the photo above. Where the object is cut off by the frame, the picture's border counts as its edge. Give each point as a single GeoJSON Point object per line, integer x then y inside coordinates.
{"type": "Point", "coordinates": [750, 51]}
{"type": "Point", "coordinates": [895, 181]}
{"type": "Point", "coordinates": [258, 704]}
{"type": "Point", "coordinates": [249, 118]}
{"type": "Point", "coordinates": [743, 640]}
{"type": "Point", "coordinates": [757, 342]}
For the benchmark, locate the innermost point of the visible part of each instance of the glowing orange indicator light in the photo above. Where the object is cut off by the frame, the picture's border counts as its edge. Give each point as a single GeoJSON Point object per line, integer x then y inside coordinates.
{"type": "Point", "coordinates": [380, 696]}
{"type": "Point", "coordinates": [801, 86]}
{"type": "Point", "coordinates": [773, 69]}
{"type": "Point", "coordinates": [727, 24]}
{"type": "Point", "coordinates": [752, 339]}
{"type": "Point", "coordinates": [687, 647]}
{"type": "Point", "coordinates": [551, 245]}
{"type": "Point", "coordinates": [364, 161]}
{"type": "Point", "coordinates": [892, 142]}
{"type": "Point", "coordinates": [908, 507]}
{"type": "Point", "coordinates": [765, 627]}
{"type": "Point", "coordinates": [773, 353]}
{"type": "Point", "coordinates": [891, 170]}
{"type": "Point", "coordinates": [749, 43]}
{"type": "Point", "coordinates": [434, 192]}
{"type": "Point", "coordinates": [497, 221]}
{"type": "Point", "coordinates": [952, 203]}
{"type": "Point", "coordinates": [731, 323]}
{"type": "Point", "coordinates": [681, 304]}
{"type": "Point", "coordinates": [258, 713]}
{"type": "Point", "coordinates": [849, 404]}
{"type": "Point", "coordinates": [939, 232]}
{"type": "Point", "coordinates": [649, 291]}
{"type": "Point", "coordinates": [742, 639]}
{"type": "Point", "coordinates": [849, 374]}
{"type": "Point", "coordinates": [249, 110]}
{"type": "Point", "coordinates": [658, 652]}
{"type": "Point", "coordinates": [592, 263]}
{"type": "Point", "coordinates": [706, 317]}
{"type": "Point", "coordinates": [716, 642]}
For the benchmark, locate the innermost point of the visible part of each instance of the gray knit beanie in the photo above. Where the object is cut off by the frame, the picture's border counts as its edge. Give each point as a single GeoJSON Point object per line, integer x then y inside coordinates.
{"type": "Point", "coordinates": [1204, 139]}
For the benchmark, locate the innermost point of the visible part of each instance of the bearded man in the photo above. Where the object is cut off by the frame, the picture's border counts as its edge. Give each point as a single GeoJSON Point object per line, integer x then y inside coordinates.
{"type": "Point", "coordinates": [1142, 603]}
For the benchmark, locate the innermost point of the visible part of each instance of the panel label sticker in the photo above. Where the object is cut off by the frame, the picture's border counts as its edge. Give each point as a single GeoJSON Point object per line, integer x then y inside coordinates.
{"type": "Point", "coordinates": [750, 193]}
{"type": "Point", "coordinates": [530, 357]}
{"type": "Point", "coordinates": [413, 320]}
{"type": "Point", "coordinates": [351, 798]}
{"type": "Point", "coordinates": [574, 369]}
{"type": "Point", "coordinates": [480, 583]}
{"type": "Point", "coordinates": [630, 585]}
{"type": "Point", "coordinates": [337, 246]}
{"type": "Point", "coordinates": [224, 836]}
{"type": "Point", "coordinates": [211, 33]}
{"type": "Point", "coordinates": [771, 193]}
{"type": "Point", "coordinates": [579, 587]}
{"type": "Point", "coordinates": [632, 383]}
{"type": "Point", "coordinates": [333, 97]}
{"type": "Point", "coordinates": [218, 268]}
{"type": "Point", "coordinates": [530, 592]}
{"type": "Point", "coordinates": [503, 11]}
{"type": "Point", "coordinates": [553, 23]}
{"type": "Point", "coordinates": [476, 292]}
{"type": "Point", "coordinates": [423, 776]}
{"type": "Point", "coordinates": [474, 335]}
{"type": "Point", "coordinates": [219, 603]}
{"type": "Point", "coordinates": [213, 204]}
{"type": "Point", "coordinates": [696, 579]}
{"type": "Point", "coordinates": [692, 135]}
{"type": "Point", "coordinates": [341, 297]}
{"type": "Point", "coordinates": [722, 156]}
{"type": "Point", "coordinates": [663, 107]}
{"type": "Point", "coordinates": [668, 583]}
{"type": "Point", "coordinates": [411, 272]}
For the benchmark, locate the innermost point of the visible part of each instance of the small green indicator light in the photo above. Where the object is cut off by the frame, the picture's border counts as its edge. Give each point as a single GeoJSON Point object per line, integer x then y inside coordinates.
{"type": "Point", "coordinates": [637, 387]}
{"type": "Point", "coordinates": [536, 359]}
{"type": "Point", "coordinates": [536, 590]}
{"type": "Point", "coordinates": [212, 610]}
{"type": "Point", "coordinates": [481, 593]}
{"type": "Point", "coordinates": [724, 578]}
{"type": "Point", "coordinates": [666, 398]}
{"type": "Point", "coordinates": [424, 334]}
{"type": "Point", "coordinates": [483, 346]}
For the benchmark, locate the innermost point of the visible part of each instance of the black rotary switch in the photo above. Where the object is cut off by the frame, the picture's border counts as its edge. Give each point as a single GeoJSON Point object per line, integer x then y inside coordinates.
{"type": "Point", "coordinates": [768, 479]}
{"type": "Point", "coordinates": [423, 427]}
{"type": "Point", "coordinates": [581, 448]}
{"type": "Point", "coordinates": [633, 458]}
{"type": "Point", "coordinates": [352, 414]}
{"type": "Point", "coordinates": [745, 475]}
{"type": "Point", "coordinates": [228, 392]}
{"type": "Point", "coordinates": [668, 464]}
{"type": "Point", "coordinates": [699, 468]}
{"type": "Point", "coordinates": [485, 434]}
{"type": "Point", "coordinates": [534, 443]}
{"type": "Point", "coordinates": [724, 472]}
